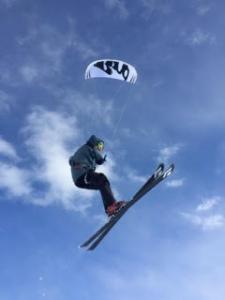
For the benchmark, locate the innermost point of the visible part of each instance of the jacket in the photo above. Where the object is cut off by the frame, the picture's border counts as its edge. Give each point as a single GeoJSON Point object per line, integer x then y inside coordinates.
{"type": "Point", "coordinates": [86, 158]}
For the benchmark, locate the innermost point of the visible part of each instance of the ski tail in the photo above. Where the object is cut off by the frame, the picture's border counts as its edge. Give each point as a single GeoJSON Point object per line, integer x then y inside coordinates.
{"type": "Point", "coordinates": [94, 236]}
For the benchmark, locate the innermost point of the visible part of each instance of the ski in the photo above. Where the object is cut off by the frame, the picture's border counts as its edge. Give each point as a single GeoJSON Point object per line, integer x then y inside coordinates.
{"type": "Point", "coordinates": [157, 172]}
{"type": "Point", "coordinates": [149, 185]}
{"type": "Point", "coordinates": [159, 175]}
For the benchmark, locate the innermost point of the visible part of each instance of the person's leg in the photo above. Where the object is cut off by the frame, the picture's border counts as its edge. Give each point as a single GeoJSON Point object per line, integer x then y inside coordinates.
{"type": "Point", "coordinates": [97, 181]}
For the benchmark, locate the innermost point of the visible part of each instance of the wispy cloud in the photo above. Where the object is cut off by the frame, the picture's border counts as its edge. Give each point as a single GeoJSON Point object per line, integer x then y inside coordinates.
{"type": "Point", "coordinates": [55, 45]}
{"type": "Point", "coordinates": [48, 49]}
{"type": "Point", "coordinates": [84, 49]}
{"type": "Point", "coordinates": [199, 37]}
{"type": "Point", "coordinates": [203, 9]}
{"type": "Point", "coordinates": [29, 72]}
{"type": "Point", "coordinates": [204, 217]}
{"type": "Point", "coordinates": [5, 101]}
{"type": "Point", "coordinates": [48, 135]}
{"type": "Point", "coordinates": [208, 203]}
{"type": "Point", "coordinates": [50, 138]}
{"type": "Point", "coordinates": [151, 6]}
{"type": "Point", "coordinates": [175, 183]}
{"type": "Point", "coordinates": [15, 180]}
{"type": "Point", "coordinates": [118, 6]}
{"type": "Point", "coordinates": [29, 36]}
{"type": "Point", "coordinates": [133, 176]}
{"type": "Point", "coordinates": [6, 149]}
{"type": "Point", "coordinates": [166, 153]}
{"type": "Point", "coordinates": [109, 169]}
{"type": "Point", "coordinates": [157, 279]}
{"type": "Point", "coordinates": [98, 111]}
{"type": "Point", "coordinates": [206, 223]}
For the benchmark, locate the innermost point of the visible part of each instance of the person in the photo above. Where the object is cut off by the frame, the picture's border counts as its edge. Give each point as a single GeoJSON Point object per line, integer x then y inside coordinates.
{"type": "Point", "coordinates": [83, 165]}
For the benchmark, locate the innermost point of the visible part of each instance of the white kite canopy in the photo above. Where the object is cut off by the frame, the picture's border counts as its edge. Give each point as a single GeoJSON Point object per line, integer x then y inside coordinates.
{"type": "Point", "coordinates": [111, 68]}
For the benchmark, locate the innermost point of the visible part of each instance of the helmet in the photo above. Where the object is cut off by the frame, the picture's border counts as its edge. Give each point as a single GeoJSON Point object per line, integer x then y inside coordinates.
{"type": "Point", "coordinates": [95, 142]}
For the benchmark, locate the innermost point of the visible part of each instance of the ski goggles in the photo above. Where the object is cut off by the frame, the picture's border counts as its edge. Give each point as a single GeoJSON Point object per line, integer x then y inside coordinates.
{"type": "Point", "coordinates": [100, 146]}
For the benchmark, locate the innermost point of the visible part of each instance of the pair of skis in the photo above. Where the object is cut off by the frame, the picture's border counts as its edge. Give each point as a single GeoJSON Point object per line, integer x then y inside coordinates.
{"type": "Point", "coordinates": [159, 175]}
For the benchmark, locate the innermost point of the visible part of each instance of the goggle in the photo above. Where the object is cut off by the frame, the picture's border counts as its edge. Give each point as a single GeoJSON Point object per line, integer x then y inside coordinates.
{"type": "Point", "coordinates": [100, 146]}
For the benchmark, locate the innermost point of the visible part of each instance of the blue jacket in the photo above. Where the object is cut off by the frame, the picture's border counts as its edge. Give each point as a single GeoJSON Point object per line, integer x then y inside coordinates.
{"type": "Point", "coordinates": [86, 158]}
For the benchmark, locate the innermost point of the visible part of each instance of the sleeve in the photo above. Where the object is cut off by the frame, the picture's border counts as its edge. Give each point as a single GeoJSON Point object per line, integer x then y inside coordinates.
{"type": "Point", "coordinates": [99, 158]}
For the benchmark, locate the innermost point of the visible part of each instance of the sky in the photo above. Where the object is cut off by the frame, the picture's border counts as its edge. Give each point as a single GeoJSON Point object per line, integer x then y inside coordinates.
{"type": "Point", "coordinates": [170, 245]}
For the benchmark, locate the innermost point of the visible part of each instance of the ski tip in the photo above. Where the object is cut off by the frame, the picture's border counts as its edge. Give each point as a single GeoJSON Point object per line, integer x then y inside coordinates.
{"type": "Point", "coordinates": [159, 170]}
{"type": "Point", "coordinates": [169, 171]}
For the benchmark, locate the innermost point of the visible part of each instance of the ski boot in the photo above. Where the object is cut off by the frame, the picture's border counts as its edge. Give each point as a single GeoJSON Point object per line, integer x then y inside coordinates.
{"type": "Point", "coordinates": [115, 207]}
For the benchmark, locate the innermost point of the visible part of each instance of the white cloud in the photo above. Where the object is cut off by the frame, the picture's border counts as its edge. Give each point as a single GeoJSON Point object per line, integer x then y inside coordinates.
{"type": "Point", "coordinates": [119, 6]}
{"type": "Point", "coordinates": [184, 261]}
{"type": "Point", "coordinates": [206, 222]}
{"type": "Point", "coordinates": [14, 180]}
{"type": "Point", "coordinates": [151, 6]}
{"type": "Point", "coordinates": [7, 149]}
{"type": "Point", "coordinates": [175, 183]}
{"type": "Point", "coordinates": [48, 137]}
{"type": "Point", "coordinates": [208, 204]}
{"type": "Point", "coordinates": [5, 101]}
{"type": "Point", "coordinates": [202, 10]}
{"type": "Point", "coordinates": [100, 219]}
{"type": "Point", "coordinates": [134, 177]}
{"type": "Point", "coordinates": [54, 45]}
{"type": "Point", "coordinates": [168, 152]}
{"type": "Point", "coordinates": [97, 111]}
{"type": "Point", "coordinates": [28, 37]}
{"type": "Point", "coordinates": [29, 72]}
{"type": "Point", "coordinates": [203, 216]}
{"type": "Point", "coordinates": [108, 168]}
{"type": "Point", "coordinates": [54, 51]}
{"type": "Point", "coordinates": [199, 37]}
{"type": "Point", "coordinates": [48, 49]}
{"type": "Point", "coordinates": [51, 137]}
{"type": "Point", "coordinates": [84, 49]}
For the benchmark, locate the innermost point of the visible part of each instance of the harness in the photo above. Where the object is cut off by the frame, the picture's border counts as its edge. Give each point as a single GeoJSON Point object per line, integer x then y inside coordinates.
{"type": "Point", "coordinates": [80, 166]}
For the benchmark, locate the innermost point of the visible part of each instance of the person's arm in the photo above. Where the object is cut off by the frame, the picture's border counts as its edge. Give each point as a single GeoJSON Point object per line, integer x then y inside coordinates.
{"type": "Point", "coordinates": [99, 158]}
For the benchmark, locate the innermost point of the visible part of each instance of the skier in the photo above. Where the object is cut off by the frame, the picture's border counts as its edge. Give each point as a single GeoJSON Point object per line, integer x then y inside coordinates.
{"type": "Point", "coordinates": [83, 165]}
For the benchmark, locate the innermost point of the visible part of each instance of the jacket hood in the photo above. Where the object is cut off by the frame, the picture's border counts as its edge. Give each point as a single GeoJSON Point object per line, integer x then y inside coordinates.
{"type": "Point", "coordinates": [93, 141]}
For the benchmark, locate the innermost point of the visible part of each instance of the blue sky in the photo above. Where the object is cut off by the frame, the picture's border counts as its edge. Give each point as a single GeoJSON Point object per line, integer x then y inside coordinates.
{"type": "Point", "coordinates": [171, 244]}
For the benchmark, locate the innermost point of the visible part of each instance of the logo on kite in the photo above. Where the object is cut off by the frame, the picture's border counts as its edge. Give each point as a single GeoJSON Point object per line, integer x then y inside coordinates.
{"type": "Point", "coordinates": [111, 68]}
